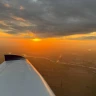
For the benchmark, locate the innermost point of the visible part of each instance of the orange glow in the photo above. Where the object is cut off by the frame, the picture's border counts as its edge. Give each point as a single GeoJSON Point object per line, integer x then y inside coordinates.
{"type": "Point", "coordinates": [36, 39]}
{"type": "Point", "coordinates": [46, 46]}
{"type": "Point", "coordinates": [5, 35]}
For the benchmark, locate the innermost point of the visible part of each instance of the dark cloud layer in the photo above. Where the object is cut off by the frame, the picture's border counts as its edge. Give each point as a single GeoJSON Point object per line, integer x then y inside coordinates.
{"type": "Point", "coordinates": [84, 38]}
{"type": "Point", "coordinates": [50, 17]}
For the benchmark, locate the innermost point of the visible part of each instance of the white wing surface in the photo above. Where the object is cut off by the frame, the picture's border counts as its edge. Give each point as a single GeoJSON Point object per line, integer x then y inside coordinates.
{"type": "Point", "coordinates": [19, 78]}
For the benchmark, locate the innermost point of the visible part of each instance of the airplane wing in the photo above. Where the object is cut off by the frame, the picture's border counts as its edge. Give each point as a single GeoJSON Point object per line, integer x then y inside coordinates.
{"type": "Point", "coordinates": [18, 77]}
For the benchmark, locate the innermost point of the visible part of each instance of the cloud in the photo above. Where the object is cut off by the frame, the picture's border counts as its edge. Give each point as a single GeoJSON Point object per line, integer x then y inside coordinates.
{"type": "Point", "coordinates": [3, 23]}
{"type": "Point", "coordinates": [18, 18]}
{"type": "Point", "coordinates": [85, 38]}
{"type": "Point", "coordinates": [22, 8]}
{"type": "Point", "coordinates": [7, 5]}
{"type": "Point", "coordinates": [51, 17]}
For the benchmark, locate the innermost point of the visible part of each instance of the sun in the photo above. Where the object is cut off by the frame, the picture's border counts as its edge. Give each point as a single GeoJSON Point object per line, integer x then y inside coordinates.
{"type": "Point", "coordinates": [36, 39]}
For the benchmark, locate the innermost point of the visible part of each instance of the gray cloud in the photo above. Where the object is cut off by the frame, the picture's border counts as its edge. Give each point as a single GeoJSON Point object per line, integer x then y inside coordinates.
{"type": "Point", "coordinates": [51, 17]}
{"type": "Point", "coordinates": [84, 38]}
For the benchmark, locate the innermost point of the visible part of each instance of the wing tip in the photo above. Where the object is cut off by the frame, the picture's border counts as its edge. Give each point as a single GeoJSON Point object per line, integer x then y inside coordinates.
{"type": "Point", "coordinates": [9, 57]}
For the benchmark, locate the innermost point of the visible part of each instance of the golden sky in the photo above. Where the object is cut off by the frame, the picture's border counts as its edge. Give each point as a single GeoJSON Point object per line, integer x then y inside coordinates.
{"type": "Point", "coordinates": [29, 41]}
{"type": "Point", "coordinates": [48, 44]}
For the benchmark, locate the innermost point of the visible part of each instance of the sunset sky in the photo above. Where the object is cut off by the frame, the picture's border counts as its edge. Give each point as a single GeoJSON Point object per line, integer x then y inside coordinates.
{"type": "Point", "coordinates": [48, 21]}
{"type": "Point", "coordinates": [56, 36]}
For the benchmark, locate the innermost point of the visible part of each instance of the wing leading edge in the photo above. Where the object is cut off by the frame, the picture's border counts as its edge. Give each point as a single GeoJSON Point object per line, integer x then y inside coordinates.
{"type": "Point", "coordinates": [18, 77]}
